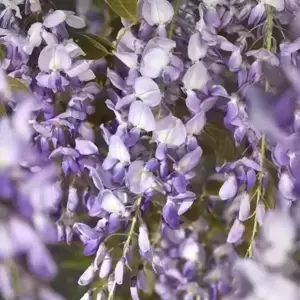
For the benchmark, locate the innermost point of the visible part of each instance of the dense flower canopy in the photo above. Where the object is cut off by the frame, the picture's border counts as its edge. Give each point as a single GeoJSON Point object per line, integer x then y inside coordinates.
{"type": "Point", "coordinates": [162, 136]}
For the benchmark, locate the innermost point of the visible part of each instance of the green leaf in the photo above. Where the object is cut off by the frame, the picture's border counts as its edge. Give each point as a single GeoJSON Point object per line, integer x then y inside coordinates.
{"type": "Point", "coordinates": [16, 84]}
{"type": "Point", "coordinates": [94, 46]}
{"type": "Point", "coordinates": [2, 53]}
{"type": "Point", "coordinates": [126, 9]}
{"type": "Point", "coordinates": [219, 139]}
{"type": "Point", "coordinates": [76, 264]}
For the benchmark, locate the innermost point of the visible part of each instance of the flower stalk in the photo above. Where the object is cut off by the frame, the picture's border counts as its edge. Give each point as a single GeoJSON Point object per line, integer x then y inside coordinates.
{"type": "Point", "coordinates": [259, 190]}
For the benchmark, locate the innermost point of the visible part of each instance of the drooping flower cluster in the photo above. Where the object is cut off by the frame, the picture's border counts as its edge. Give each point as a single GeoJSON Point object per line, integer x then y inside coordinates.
{"type": "Point", "coordinates": [175, 78]}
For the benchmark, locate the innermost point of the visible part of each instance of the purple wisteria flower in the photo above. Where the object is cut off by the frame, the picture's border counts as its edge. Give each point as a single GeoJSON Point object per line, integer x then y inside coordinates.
{"type": "Point", "coordinates": [197, 169]}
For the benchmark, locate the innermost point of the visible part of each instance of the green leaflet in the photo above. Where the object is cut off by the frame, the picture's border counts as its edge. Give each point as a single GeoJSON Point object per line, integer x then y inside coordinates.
{"type": "Point", "coordinates": [219, 139]}
{"type": "Point", "coordinates": [94, 46]}
{"type": "Point", "coordinates": [2, 54]}
{"type": "Point", "coordinates": [16, 84]}
{"type": "Point", "coordinates": [126, 9]}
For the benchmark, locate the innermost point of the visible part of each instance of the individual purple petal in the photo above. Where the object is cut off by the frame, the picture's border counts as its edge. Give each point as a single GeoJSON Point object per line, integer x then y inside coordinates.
{"type": "Point", "coordinates": [143, 239]}
{"type": "Point", "coordinates": [105, 266]}
{"type": "Point", "coordinates": [166, 44]}
{"type": "Point", "coordinates": [260, 212]}
{"type": "Point", "coordinates": [179, 183]}
{"type": "Point", "coordinates": [133, 286]}
{"type": "Point", "coordinates": [255, 71]}
{"type": "Point", "coordinates": [141, 116]}
{"type": "Point", "coordinates": [128, 59]}
{"type": "Point", "coordinates": [78, 68]}
{"type": "Point", "coordinates": [117, 149]}
{"type": "Point", "coordinates": [125, 101]}
{"type": "Point", "coordinates": [157, 12]}
{"type": "Point", "coordinates": [212, 17]}
{"type": "Point", "coordinates": [160, 152]}
{"type": "Point", "coordinates": [111, 203]}
{"type": "Point", "coordinates": [294, 165]}
{"type": "Point", "coordinates": [196, 123]}
{"type": "Point", "coordinates": [185, 205]}
{"type": "Point", "coordinates": [218, 91]}
{"type": "Point", "coordinates": [239, 134]}
{"type": "Point", "coordinates": [118, 172]}
{"type": "Point", "coordinates": [256, 14]}
{"type": "Point", "coordinates": [69, 234]}
{"type": "Point", "coordinates": [115, 79]}
{"type": "Point", "coordinates": [189, 161]}
{"type": "Point", "coordinates": [170, 74]}
{"type": "Point", "coordinates": [119, 271]}
{"type": "Point", "coordinates": [85, 230]}
{"type": "Point", "coordinates": [170, 214]}
{"type": "Point", "coordinates": [100, 254]}
{"type": "Point", "coordinates": [132, 137]}
{"type": "Point", "coordinates": [192, 102]}
{"type": "Point", "coordinates": [74, 21]}
{"type": "Point", "coordinates": [55, 18]}
{"type": "Point", "coordinates": [190, 270]}
{"type": "Point", "coordinates": [250, 163]}
{"type": "Point", "coordinates": [153, 62]}
{"type": "Point", "coordinates": [138, 179]}
{"type": "Point", "coordinates": [97, 180]}
{"type": "Point", "coordinates": [113, 223]}
{"type": "Point", "coordinates": [85, 147]}
{"type": "Point", "coordinates": [208, 104]}
{"type": "Point", "coordinates": [251, 179]}
{"type": "Point", "coordinates": [236, 232]}
{"type": "Point", "coordinates": [109, 163]}
{"type": "Point", "coordinates": [242, 76]}
{"type": "Point", "coordinates": [64, 151]}
{"type": "Point", "coordinates": [286, 186]}
{"type": "Point", "coordinates": [197, 48]}
{"type": "Point", "coordinates": [235, 60]}
{"type": "Point", "coordinates": [196, 77]}
{"type": "Point", "coordinates": [90, 247]}
{"type": "Point", "coordinates": [141, 280]}
{"type": "Point", "coordinates": [232, 111]}
{"type": "Point", "coordinates": [152, 165]}
{"type": "Point", "coordinates": [95, 209]}
{"type": "Point", "coordinates": [148, 91]}
{"type": "Point", "coordinates": [170, 131]}
{"type": "Point", "coordinates": [277, 4]}
{"type": "Point", "coordinates": [225, 45]}
{"type": "Point", "coordinates": [244, 210]}
{"type": "Point", "coordinates": [229, 188]}
{"type": "Point", "coordinates": [87, 277]}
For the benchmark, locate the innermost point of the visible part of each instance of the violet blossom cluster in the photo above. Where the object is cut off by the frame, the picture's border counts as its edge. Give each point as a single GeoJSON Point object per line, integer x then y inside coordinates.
{"type": "Point", "coordinates": [169, 73]}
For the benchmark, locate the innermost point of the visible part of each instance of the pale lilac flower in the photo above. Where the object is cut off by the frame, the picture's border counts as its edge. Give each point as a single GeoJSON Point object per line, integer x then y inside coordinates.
{"type": "Point", "coordinates": [58, 16]}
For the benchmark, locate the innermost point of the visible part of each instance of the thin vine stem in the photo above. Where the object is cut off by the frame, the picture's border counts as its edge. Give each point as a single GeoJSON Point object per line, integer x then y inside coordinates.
{"type": "Point", "coordinates": [128, 242]}
{"type": "Point", "coordinates": [259, 190]}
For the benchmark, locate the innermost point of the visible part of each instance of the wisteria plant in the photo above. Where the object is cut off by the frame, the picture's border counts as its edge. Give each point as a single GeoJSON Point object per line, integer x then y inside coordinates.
{"type": "Point", "coordinates": [159, 137]}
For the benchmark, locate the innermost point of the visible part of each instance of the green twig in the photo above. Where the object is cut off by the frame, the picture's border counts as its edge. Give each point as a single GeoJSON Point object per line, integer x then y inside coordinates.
{"type": "Point", "coordinates": [259, 189]}
{"type": "Point", "coordinates": [127, 242]}
{"type": "Point", "coordinates": [2, 109]}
